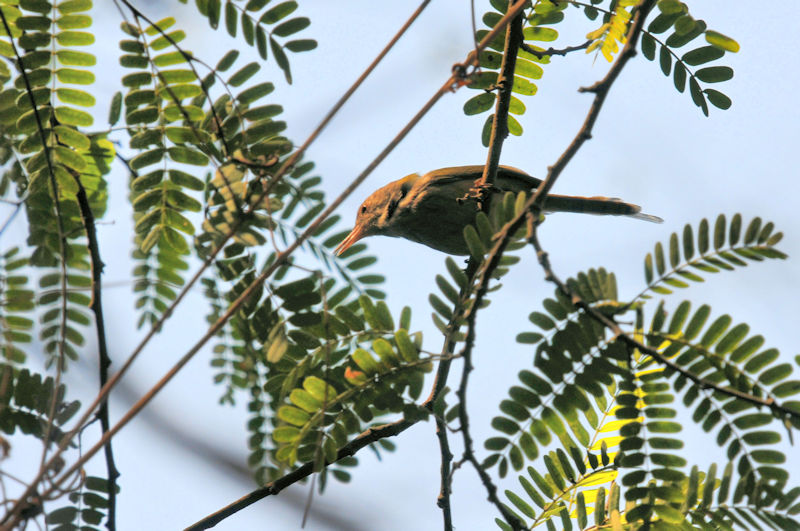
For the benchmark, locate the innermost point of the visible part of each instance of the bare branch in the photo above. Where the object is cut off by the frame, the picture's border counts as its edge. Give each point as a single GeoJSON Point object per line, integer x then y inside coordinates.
{"type": "Point", "coordinates": [541, 54]}
{"type": "Point", "coordinates": [274, 487]}
{"type": "Point", "coordinates": [505, 83]}
{"type": "Point", "coordinates": [104, 361]}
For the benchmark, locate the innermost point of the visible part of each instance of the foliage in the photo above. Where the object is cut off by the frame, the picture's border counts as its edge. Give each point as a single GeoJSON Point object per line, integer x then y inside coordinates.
{"type": "Point", "coordinates": [543, 15]}
{"type": "Point", "coordinates": [218, 195]}
{"type": "Point", "coordinates": [675, 16]}
{"type": "Point", "coordinates": [592, 393]}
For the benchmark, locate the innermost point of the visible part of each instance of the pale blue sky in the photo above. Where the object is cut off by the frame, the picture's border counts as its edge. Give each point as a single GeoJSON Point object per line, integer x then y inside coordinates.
{"type": "Point", "coordinates": [651, 146]}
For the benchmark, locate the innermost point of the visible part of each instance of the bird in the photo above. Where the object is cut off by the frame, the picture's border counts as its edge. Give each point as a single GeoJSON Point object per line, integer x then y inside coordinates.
{"type": "Point", "coordinates": [430, 209]}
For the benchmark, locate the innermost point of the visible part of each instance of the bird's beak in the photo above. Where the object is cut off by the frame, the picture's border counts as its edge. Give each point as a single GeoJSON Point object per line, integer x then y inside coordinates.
{"type": "Point", "coordinates": [356, 234]}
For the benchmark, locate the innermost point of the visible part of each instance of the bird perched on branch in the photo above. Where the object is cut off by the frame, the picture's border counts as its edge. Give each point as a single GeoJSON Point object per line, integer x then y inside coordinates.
{"type": "Point", "coordinates": [429, 209]}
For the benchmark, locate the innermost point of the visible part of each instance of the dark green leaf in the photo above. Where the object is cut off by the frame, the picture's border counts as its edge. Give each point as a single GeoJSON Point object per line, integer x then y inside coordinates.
{"type": "Point", "coordinates": [714, 74]}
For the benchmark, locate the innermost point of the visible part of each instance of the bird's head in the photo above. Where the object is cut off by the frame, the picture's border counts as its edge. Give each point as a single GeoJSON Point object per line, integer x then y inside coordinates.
{"type": "Point", "coordinates": [378, 212]}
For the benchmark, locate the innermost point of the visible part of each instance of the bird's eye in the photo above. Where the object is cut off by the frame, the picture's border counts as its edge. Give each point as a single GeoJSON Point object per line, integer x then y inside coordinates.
{"type": "Point", "coordinates": [363, 209]}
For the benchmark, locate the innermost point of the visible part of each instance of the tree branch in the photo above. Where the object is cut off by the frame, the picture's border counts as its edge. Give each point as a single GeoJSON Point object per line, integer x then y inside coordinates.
{"type": "Point", "coordinates": [541, 54]}
{"type": "Point", "coordinates": [439, 385]}
{"type": "Point", "coordinates": [505, 82]}
{"type": "Point", "coordinates": [274, 487]}
{"type": "Point", "coordinates": [104, 361]}
{"type": "Point", "coordinates": [443, 501]}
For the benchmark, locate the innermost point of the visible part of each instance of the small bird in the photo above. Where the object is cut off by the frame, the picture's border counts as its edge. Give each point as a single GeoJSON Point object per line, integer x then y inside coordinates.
{"type": "Point", "coordinates": [427, 209]}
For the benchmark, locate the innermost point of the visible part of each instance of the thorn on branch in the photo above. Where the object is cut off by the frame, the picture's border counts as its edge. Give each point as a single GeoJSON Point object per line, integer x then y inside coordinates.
{"type": "Point", "coordinates": [594, 89]}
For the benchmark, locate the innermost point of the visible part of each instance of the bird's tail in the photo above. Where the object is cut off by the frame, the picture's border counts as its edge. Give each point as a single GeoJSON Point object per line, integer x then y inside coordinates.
{"type": "Point", "coordinates": [601, 206]}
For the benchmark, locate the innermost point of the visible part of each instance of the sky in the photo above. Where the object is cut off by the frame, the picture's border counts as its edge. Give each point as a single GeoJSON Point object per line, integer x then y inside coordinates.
{"type": "Point", "coordinates": [651, 146]}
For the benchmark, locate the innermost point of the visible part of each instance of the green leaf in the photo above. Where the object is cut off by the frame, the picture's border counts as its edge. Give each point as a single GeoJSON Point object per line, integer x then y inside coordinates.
{"type": "Point", "coordinates": [74, 38]}
{"type": "Point", "coordinates": [187, 155]}
{"type": "Point", "coordinates": [714, 74]}
{"type": "Point", "coordinates": [243, 74]}
{"type": "Point", "coordinates": [679, 77]}
{"type": "Point", "coordinates": [538, 33]}
{"type": "Point", "coordinates": [474, 243]}
{"type": "Point", "coordinates": [278, 12]}
{"type": "Point", "coordinates": [70, 116]}
{"type": "Point", "coordinates": [72, 137]}
{"type": "Point", "coordinates": [670, 7]}
{"type": "Point", "coordinates": [665, 60]}
{"type": "Point", "coordinates": [697, 95]}
{"type": "Point", "coordinates": [520, 504]}
{"type": "Point", "coordinates": [115, 108]}
{"type": "Point", "coordinates": [291, 26]}
{"type": "Point", "coordinates": [718, 99]}
{"type": "Point", "coordinates": [301, 45]}
{"type": "Point", "coordinates": [230, 18]}
{"type": "Point", "coordinates": [74, 22]}
{"type": "Point", "coordinates": [254, 93]}
{"type": "Point", "coordinates": [76, 77]}
{"type": "Point", "coordinates": [720, 226]}
{"type": "Point", "coordinates": [505, 425]}
{"type": "Point", "coordinates": [524, 87]}
{"type": "Point", "coordinates": [75, 97]}
{"type": "Point", "coordinates": [285, 434]}
{"type": "Point", "coordinates": [227, 60]}
{"type": "Point", "coordinates": [305, 400]}
{"type": "Point", "coordinates": [293, 415]}
{"type": "Point", "coordinates": [479, 104]}
{"type": "Point", "coordinates": [702, 55]}
{"type": "Point", "coordinates": [280, 58]}
{"type": "Point", "coordinates": [75, 58]}
{"type": "Point", "coordinates": [648, 46]}
{"type": "Point", "coordinates": [721, 41]}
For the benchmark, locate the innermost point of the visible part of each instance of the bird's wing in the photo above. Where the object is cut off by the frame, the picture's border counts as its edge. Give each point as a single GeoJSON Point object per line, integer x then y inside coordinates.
{"type": "Point", "coordinates": [508, 177]}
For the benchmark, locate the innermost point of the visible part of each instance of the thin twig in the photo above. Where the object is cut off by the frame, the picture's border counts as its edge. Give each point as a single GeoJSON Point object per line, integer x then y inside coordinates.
{"type": "Point", "coordinates": [439, 385]}
{"type": "Point", "coordinates": [274, 487]}
{"type": "Point", "coordinates": [104, 361]}
{"type": "Point", "coordinates": [461, 393]}
{"type": "Point", "coordinates": [10, 218]}
{"type": "Point", "coordinates": [445, 488]}
{"type": "Point", "coordinates": [600, 90]}
{"type": "Point", "coordinates": [541, 54]}
{"type": "Point", "coordinates": [505, 83]}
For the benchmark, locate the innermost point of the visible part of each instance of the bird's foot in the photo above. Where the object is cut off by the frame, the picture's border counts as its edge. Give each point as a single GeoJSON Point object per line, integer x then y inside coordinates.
{"type": "Point", "coordinates": [479, 193]}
